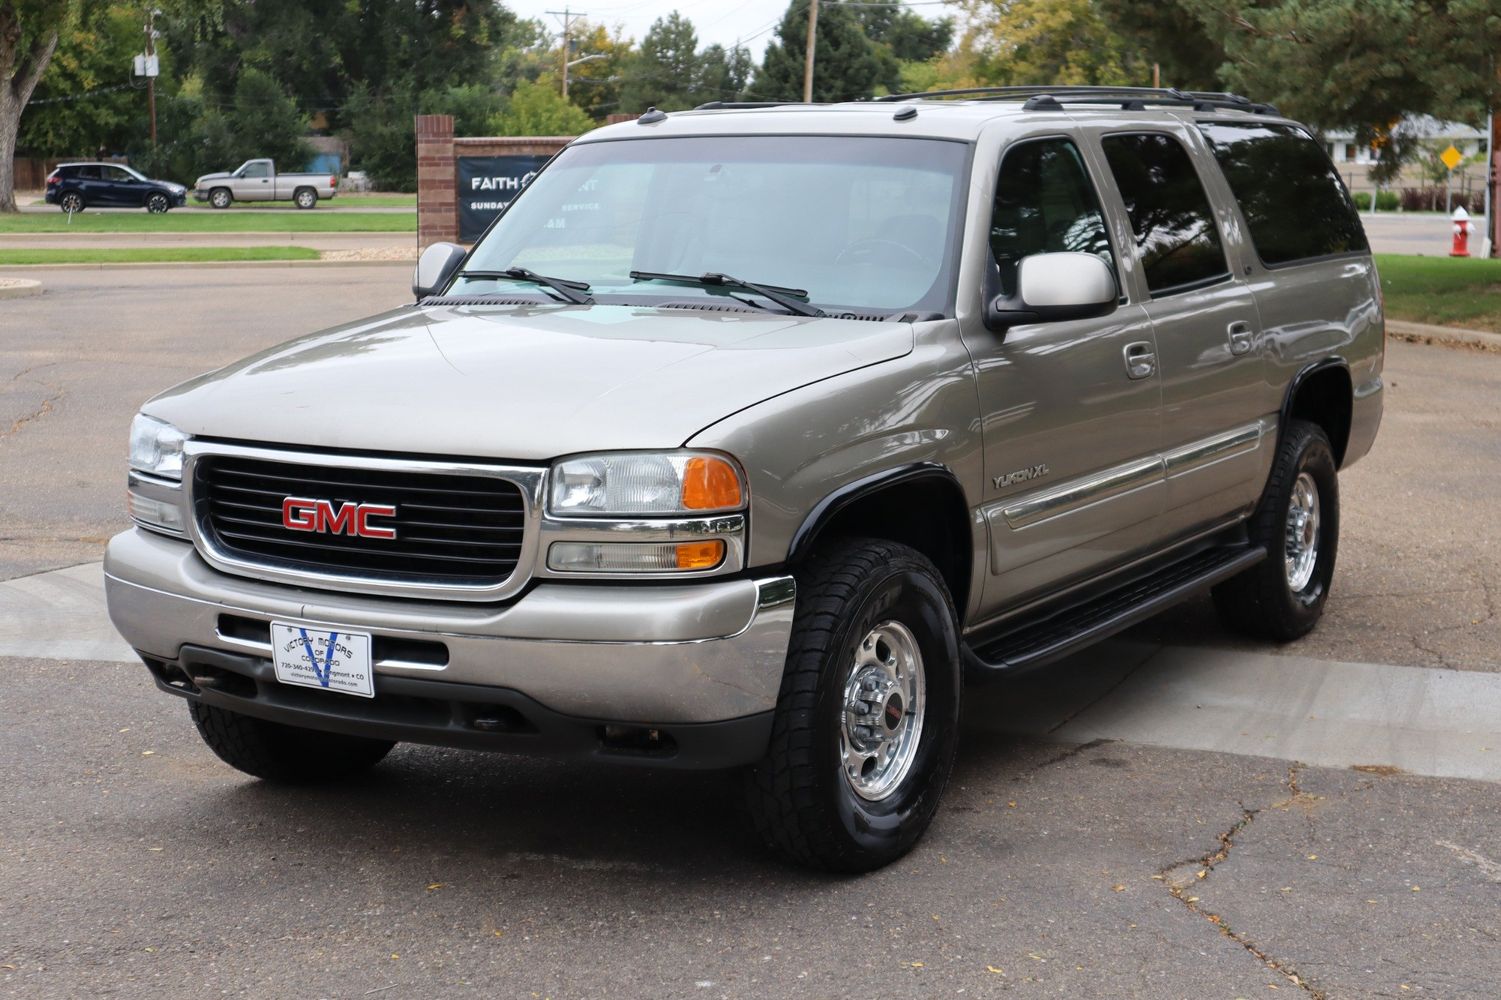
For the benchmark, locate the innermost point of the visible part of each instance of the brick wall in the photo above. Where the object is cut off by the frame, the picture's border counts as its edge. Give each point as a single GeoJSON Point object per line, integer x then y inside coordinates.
{"type": "Point", "coordinates": [437, 154]}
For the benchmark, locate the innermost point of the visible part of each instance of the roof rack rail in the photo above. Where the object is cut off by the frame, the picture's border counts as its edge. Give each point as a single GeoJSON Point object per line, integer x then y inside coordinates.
{"type": "Point", "coordinates": [1041, 97]}
{"type": "Point", "coordinates": [742, 105]}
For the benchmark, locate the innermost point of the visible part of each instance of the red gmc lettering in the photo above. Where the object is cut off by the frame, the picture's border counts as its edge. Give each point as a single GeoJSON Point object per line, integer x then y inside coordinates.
{"type": "Point", "coordinates": [350, 518]}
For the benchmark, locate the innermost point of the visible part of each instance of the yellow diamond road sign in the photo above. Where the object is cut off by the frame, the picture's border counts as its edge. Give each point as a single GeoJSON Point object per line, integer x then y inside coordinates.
{"type": "Point", "coordinates": [1451, 157]}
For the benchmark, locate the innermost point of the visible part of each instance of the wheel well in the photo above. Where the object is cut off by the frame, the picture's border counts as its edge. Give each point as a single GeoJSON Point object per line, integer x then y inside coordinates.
{"type": "Point", "coordinates": [929, 513]}
{"type": "Point", "coordinates": [1325, 397]}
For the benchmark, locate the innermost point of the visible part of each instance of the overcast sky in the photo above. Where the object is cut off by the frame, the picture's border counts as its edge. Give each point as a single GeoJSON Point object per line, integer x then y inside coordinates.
{"type": "Point", "coordinates": [752, 22]}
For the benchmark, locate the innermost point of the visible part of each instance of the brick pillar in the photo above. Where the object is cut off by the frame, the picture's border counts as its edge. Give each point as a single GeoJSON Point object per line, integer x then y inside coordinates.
{"type": "Point", "coordinates": [437, 203]}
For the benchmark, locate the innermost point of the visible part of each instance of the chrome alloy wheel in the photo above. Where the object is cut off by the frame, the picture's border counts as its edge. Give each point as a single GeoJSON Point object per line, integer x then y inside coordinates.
{"type": "Point", "coordinates": [883, 711]}
{"type": "Point", "coordinates": [1301, 551]}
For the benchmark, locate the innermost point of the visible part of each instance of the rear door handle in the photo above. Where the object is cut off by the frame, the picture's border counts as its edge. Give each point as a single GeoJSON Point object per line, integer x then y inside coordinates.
{"type": "Point", "coordinates": [1240, 338]}
{"type": "Point", "coordinates": [1141, 359]}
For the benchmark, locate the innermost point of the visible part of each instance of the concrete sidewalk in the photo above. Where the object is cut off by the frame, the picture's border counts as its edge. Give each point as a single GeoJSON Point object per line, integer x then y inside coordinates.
{"type": "Point", "coordinates": [1437, 723]}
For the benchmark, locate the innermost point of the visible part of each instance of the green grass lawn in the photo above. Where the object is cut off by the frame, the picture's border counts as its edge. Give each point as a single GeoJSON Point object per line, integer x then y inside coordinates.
{"type": "Point", "coordinates": [153, 255]}
{"type": "Point", "coordinates": [228, 221]}
{"type": "Point", "coordinates": [1445, 291]}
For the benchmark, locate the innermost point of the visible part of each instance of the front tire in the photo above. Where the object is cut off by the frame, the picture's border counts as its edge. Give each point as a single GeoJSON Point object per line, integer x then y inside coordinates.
{"type": "Point", "coordinates": [1282, 597]}
{"type": "Point", "coordinates": [305, 198]}
{"type": "Point", "coordinates": [220, 198]}
{"type": "Point", "coordinates": [157, 204]}
{"type": "Point", "coordinates": [284, 754]}
{"type": "Point", "coordinates": [867, 720]}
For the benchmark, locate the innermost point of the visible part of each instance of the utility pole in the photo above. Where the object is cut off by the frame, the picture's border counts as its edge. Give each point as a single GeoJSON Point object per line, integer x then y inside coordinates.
{"type": "Point", "coordinates": [567, 16]}
{"type": "Point", "coordinates": [808, 60]}
{"type": "Point", "coordinates": [151, 77]}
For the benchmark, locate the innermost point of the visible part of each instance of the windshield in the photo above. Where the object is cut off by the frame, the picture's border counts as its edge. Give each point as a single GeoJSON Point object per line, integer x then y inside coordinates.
{"type": "Point", "coordinates": [860, 223]}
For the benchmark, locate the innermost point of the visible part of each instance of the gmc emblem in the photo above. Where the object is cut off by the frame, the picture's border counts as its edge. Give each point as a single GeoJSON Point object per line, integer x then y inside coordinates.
{"type": "Point", "coordinates": [351, 518]}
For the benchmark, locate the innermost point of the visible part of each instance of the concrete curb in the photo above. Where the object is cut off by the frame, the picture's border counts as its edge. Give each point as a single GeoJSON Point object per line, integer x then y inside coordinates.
{"type": "Point", "coordinates": [19, 288]}
{"type": "Point", "coordinates": [1423, 333]}
{"type": "Point", "coordinates": [127, 265]}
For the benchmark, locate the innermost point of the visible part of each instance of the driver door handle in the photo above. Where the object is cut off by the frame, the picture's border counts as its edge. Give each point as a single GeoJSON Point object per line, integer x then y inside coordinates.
{"type": "Point", "coordinates": [1141, 360]}
{"type": "Point", "coordinates": [1240, 338]}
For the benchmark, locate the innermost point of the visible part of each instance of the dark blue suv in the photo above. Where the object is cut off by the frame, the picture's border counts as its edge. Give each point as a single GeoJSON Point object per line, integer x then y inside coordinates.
{"type": "Point", "coordinates": [76, 186]}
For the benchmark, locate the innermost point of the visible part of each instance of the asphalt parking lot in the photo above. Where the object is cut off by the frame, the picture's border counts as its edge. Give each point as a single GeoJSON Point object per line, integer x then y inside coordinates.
{"type": "Point", "coordinates": [1175, 814]}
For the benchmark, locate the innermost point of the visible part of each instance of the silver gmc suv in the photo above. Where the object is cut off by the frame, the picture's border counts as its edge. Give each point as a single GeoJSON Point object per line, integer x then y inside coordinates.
{"type": "Point", "coordinates": [745, 435]}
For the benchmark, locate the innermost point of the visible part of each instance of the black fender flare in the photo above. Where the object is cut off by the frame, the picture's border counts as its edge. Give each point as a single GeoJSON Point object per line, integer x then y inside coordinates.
{"type": "Point", "coordinates": [826, 510]}
{"type": "Point", "coordinates": [1297, 383]}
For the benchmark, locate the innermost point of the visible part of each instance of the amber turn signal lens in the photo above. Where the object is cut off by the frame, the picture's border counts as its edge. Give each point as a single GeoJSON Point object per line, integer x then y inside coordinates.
{"type": "Point", "coordinates": [700, 555]}
{"type": "Point", "coordinates": [710, 483]}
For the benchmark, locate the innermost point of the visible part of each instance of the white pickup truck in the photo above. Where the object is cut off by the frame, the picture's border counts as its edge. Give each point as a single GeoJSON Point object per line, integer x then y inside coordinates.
{"type": "Point", "coordinates": [257, 180]}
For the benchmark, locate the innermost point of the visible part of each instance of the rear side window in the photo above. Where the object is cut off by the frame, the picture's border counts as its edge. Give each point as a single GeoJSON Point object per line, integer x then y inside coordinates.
{"type": "Point", "coordinates": [86, 173]}
{"type": "Point", "coordinates": [1170, 213]}
{"type": "Point", "coordinates": [1294, 203]}
{"type": "Point", "coordinates": [1044, 203]}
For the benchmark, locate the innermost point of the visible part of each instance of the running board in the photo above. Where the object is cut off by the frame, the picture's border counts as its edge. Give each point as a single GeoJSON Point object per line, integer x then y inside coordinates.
{"type": "Point", "coordinates": [1054, 634]}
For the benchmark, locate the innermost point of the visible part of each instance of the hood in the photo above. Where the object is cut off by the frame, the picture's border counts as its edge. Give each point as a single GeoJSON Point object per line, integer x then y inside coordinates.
{"type": "Point", "coordinates": [521, 382]}
{"type": "Point", "coordinates": [212, 177]}
{"type": "Point", "coordinates": [169, 186]}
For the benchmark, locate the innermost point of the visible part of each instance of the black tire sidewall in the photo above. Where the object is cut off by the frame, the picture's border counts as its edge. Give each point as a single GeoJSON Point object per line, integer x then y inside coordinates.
{"type": "Point", "coordinates": [1286, 615]}
{"type": "Point", "coordinates": [154, 200]}
{"type": "Point", "coordinates": [219, 195]}
{"type": "Point", "coordinates": [885, 829]}
{"type": "Point", "coordinates": [311, 201]}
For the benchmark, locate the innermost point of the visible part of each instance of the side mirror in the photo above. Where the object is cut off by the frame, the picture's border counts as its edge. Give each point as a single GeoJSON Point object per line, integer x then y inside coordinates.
{"type": "Point", "coordinates": [435, 267]}
{"type": "Point", "coordinates": [1055, 286]}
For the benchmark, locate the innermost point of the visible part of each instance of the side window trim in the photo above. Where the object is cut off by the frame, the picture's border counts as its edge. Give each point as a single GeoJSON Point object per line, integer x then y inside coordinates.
{"type": "Point", "coordinates": [1090, 177]}
{"type": "Point", "coordinates": [1188, 150]}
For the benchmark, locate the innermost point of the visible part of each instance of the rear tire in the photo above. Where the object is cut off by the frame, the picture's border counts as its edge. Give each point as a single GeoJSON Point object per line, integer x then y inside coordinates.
{"type": "Point", "coordinates": [284, 754]}
{"type": "Point", "coordinates": [1282, 597]}
{"type": "Point", "coordinates": [305, 198]}
{"type": "Point", "coordinates": [867, 720]}
{"type": "Point", "coordinates": [71, 202]}
{"type": "Point", "coordinates": [221, 198]}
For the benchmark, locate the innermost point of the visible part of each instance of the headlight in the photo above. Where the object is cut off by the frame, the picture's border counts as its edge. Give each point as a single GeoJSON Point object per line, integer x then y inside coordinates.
{"type": "Point", "coordinates": [679, 482]}
{"type": "Point", "coordinates": [156, 447]}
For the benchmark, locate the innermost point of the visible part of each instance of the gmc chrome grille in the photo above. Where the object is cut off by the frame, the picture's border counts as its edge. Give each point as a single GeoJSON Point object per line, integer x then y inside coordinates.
{"type": "Point", "coordinates": [451, 530]}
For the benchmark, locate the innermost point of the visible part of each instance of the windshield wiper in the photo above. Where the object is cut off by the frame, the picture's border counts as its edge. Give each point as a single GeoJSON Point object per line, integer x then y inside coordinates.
{"type": "Point", "coordinates": [570, 290]}
{"type": "Point", "coordinates": [783, 297]}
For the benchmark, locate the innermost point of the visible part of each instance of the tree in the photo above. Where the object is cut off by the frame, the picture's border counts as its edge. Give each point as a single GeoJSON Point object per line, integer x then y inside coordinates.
{"type": "Point", "coordinates": [1356, 64]}
{"type": "Point", "coordinates": [1169, 36]}
{"type": "Point", "coordinates": [82, 101]}
{"type": "Point", "coordinates": [848, 65]}
{"type": "Point", "coordinates": [1018, 42]}
{"type": "Point", "coordinates": [29, 31]}
{"type": "Point", "coordinates": [537, 109]}
{"type": "Point", "coordinates": [909, 37]}
{"type": "Point", "coordinates": [597, 85]}
{"type": "Point", "coordinates": [666, 68]}
{"type": "Point", "coordinates": [723, 74]}
{"type": "Point", "coordinates": [29, 34]}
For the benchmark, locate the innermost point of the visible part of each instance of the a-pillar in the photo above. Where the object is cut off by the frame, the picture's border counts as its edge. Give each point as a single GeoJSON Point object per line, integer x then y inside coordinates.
{"type": "Point", "coordinates": [437, 202]}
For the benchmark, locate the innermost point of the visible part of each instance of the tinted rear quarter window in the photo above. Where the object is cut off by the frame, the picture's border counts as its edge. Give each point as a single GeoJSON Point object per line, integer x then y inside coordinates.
{"type": "Point", "coordinates": [1294, 203]}
{"type": "Point", "coordinates": [1170, 214]}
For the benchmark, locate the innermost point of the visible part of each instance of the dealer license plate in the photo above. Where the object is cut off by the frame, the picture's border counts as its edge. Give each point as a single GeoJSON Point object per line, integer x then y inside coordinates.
{"type": "Point", "coordinates": [322, 658]}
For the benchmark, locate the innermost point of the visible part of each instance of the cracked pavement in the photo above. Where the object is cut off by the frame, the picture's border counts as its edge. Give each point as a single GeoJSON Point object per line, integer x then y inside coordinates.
{"type": "Point", "coordinates": [134, 864]}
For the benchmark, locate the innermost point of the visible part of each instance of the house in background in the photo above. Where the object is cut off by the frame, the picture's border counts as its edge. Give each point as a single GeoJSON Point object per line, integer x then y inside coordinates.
{"type": "Point", "coordinates": [1354, 160]}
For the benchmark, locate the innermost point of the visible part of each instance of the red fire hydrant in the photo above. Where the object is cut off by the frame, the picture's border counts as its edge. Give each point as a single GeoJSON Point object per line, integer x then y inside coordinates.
{"type": "Point", "coordinates": [1462, 229]}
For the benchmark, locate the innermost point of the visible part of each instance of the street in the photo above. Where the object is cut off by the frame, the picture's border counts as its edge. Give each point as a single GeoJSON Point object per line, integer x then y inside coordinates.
{"type": "Point", "coordinates": [1176, 813]}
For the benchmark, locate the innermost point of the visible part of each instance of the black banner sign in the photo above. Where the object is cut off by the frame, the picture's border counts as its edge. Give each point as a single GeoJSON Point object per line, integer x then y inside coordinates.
{"type": "Point", "coordinates": [486, 184]}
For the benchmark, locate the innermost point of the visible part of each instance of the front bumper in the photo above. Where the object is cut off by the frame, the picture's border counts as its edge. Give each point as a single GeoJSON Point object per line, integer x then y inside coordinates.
{"type": "Point", "coordinates": [568, 658]}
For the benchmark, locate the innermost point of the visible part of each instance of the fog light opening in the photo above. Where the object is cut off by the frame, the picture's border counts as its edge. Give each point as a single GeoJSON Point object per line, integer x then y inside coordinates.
{"type": "Point", "coordinates": [637, 740]}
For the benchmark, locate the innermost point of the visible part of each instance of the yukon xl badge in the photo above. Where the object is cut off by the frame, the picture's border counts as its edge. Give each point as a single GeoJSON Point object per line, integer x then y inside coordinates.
{"type": "Point", "coordinates": [1020, 476]}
